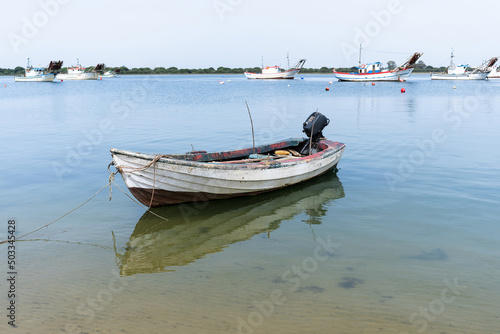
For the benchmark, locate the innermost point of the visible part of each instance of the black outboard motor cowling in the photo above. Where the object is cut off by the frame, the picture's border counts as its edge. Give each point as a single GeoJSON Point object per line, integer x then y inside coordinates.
{"type": "Point", "coordinates": [313, 128]}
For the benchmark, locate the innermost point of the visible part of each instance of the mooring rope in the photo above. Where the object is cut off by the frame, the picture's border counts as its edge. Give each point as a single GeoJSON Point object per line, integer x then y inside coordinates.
{"type": "Point", "coordinates": [64, 215]}
{"type": "Point", "coordinates": [110, 181]}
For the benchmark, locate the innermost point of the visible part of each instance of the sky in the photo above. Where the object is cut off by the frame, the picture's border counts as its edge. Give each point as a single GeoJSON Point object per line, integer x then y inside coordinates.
{"type": "Point", "coordinates": [240, 33]}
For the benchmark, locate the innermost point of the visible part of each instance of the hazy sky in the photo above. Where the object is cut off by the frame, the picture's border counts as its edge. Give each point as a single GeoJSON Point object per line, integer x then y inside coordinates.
{"type": "Point", "coordinates": [238, 33]}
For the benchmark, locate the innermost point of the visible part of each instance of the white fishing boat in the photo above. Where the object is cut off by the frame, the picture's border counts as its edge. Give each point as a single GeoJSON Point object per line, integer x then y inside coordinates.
{"type": "Point", "coordinates": [78, 73]}
{"type": "Point", "coordinates": [39, 74]}
{"type": "Point", "coordinates": [495, 73]}
{"type": "Point", "coordinates": [276, 72]}
{"type": "Point", "coordinates": [460, 72]}
{"type": "Point", "coordinates": [158, 180]}
{"type": "Point", "coordinates": [374, 72]}
{"type": "Point", "coordinates": [111, 74]}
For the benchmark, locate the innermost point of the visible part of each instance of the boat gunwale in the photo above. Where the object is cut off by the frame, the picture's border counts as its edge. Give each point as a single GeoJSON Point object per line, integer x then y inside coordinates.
{"type": "Point", "coordinates": [376, 73]}
{"type": "Point", "coordinates": [331, 148]}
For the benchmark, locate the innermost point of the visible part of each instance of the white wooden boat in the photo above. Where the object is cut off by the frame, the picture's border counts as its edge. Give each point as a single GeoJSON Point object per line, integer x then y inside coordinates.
{"type": "Point", "coordinates": [460, 72]}
{"type": "Point", "coordinates": [78, 73]}
{"type": "Point", "coordinates": [111, 74]}
{"type": "Point", "coordinates": [157, 180]}
{"type": "Point", "coordinates": [374, 71]}
{"type": "Point", "coordinates": [39, 74]}
{"type": "Point", "coordinates": [157, 246]}
{"type": "Point", "coordinates": [276, 72]}
{"type": "Point", "coordinates": [494, 74]}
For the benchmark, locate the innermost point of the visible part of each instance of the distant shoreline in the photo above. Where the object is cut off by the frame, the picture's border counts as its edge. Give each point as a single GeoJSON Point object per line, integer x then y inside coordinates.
{"type": "Point", "coordinates": [231, 74]}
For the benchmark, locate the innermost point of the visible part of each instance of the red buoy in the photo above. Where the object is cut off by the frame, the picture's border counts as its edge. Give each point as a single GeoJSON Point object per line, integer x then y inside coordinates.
{"type": "Point", "coordinates": [327, 89]}
{"type": "Point", "coordinates": [373, 83]}
{"type": "Point", "coordinates": [61, 80]}
{"type": "Point", "coordinates": [403, 90]}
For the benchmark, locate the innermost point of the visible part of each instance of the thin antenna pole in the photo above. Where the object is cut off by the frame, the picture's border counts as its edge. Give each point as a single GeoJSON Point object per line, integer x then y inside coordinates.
{"type": "Point", "coordinates": [359, 61]}
{"type": "Point", "coordinates": [251, 122]}
{"type": "Point", "coordinates": [311, 138]}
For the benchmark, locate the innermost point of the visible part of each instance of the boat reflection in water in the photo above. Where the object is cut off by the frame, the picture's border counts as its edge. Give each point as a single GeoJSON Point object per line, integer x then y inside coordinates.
{"type": "Point", "coordinates": [195, 230]}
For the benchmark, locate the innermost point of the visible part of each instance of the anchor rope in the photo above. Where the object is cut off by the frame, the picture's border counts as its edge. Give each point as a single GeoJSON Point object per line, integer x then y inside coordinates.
{"type": "Point", "coordinates": [110, 181]}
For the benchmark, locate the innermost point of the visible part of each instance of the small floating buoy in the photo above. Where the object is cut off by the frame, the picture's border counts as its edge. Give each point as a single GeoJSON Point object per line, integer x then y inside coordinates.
{"type": "Point", "coordinates": [301, 78]}
{"type": "Point", "coordinates": [403, 90]}
{"type": "Point", "coordinates": [61, 80]}
{"type": "Point", "coordinates": [229, 81]}
{"type": "Point", "coordinates": [288, 85]}
{"type": "Point", "coordinates": [100, 78]}
{"type": "Point", "coordinates": [454, 87]}
{"type": "Point", "coordinates": [5, 85]}
{"type": "Point", "coordinates": [330, 83]}
{"type": "Point", "coordinates": [400, 80]}
{"type": "Point", "coordinates": [327, 89]}
{"type": "Point", "coordinates": [373, 83]}
{"type": "Point", "coordinates": [221, 82]}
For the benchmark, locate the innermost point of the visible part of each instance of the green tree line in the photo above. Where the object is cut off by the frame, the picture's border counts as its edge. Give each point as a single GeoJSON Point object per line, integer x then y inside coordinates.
{"type": "Point", "coordinates": [420, 66]}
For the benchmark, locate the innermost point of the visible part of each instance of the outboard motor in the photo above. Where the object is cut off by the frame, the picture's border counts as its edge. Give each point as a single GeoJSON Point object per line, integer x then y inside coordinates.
{"type": "Point", "coordinates": [313, 128]}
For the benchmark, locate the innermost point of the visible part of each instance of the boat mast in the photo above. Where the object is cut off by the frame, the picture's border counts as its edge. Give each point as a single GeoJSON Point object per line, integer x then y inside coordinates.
{"type": "Point", "coordinates": [359, 61]}
{"type": "Point", "coordinates": [452, 56]}
{"type": "Point", "coordinates": [288, 59]}
{"type": "Point", "coordinates": [262, 62]}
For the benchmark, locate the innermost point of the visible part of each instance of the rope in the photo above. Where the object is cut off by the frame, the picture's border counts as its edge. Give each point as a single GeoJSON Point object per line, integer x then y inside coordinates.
{"type": "Point", "coordinates": [139, 203]}
{"type": "Point", "coordinates": [110, 181]}
{"type": "Point", "coordinates": [126, 169]}
{"type": "Point", "coordinates": [146, 166]}
{"type": "Point", "coordinates": [64, 215]}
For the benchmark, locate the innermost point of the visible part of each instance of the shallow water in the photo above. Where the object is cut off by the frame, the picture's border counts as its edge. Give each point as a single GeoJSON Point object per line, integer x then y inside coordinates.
{"type": "Point", "coordinates": [404, 239]}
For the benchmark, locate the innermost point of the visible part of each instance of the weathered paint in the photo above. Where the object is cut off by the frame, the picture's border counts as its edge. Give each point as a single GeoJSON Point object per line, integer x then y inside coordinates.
{"type": "Point", "coordinates": [175, 180]}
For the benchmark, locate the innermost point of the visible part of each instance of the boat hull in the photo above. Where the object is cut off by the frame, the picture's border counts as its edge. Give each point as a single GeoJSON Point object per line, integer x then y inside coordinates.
{"type": "Point", "coordinates": [282, 75]}
{"type": "Point", "coordinates": [172, 181]}
{"type": "Point", "coordinates": [467, 76]}
{"type": "Point", "coordinates": [80, 76]}
{"type": "Point", "coordinates": [370, 77]}
{"type": "Point", "coordinates": [36, 78]}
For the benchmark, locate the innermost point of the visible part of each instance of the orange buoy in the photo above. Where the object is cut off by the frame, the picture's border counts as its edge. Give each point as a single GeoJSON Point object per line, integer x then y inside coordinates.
{"type": "Point", "coordinates": [403, 90]}
{"type": "Point", "coordinates": [373, 83]}
{"type": "Point", "coordinates": [327, 89]}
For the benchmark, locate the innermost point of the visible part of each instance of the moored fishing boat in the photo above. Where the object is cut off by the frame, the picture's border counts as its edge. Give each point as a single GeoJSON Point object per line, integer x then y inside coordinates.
{"type": "Point", "coordinates": [495, 73]}
{"type": "Point", "coordinates": [374, 71]}
{"type": "Point", "coordinates": [111, 74]}
{"type": "Point", "coordinates": [276, 72]}
{"type": "Point", "coordinates": [39, 74]}
{"type": "Point", "coordinates": [78, 73]}
{"type": "Point", "coordinates": [460, 72]}
{"type": "Point", "coordinates": [157, 180]}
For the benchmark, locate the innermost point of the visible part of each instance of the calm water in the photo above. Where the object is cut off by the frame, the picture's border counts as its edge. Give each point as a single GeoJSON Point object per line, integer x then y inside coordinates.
{"type": "Point", "coordinates": [405, 239]}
